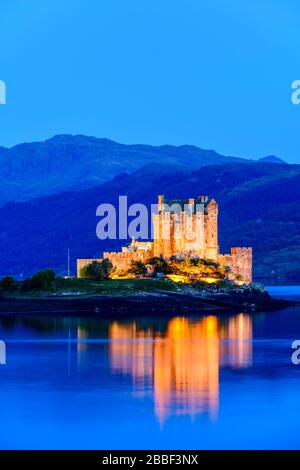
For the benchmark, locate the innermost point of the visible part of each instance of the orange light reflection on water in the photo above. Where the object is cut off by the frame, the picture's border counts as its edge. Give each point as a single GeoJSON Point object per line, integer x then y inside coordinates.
{"type": "Point", "coordinates": [183, 363]}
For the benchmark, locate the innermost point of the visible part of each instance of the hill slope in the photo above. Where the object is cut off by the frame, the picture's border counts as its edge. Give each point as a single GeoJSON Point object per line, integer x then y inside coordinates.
{"type": "Point", "coordinates": [259, 207]}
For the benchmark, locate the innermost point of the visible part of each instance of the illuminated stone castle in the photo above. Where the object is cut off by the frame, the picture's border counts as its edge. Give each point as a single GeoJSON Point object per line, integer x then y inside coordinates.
{"type": "Point", "coordinates": [182, 228]}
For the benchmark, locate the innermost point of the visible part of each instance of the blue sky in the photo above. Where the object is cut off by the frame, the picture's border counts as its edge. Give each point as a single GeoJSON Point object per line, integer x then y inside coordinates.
{"type": "Point", "coordinates": [213, 73]}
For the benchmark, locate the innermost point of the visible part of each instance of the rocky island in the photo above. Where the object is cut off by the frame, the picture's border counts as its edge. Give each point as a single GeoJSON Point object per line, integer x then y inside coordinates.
{"type": "Point", "coordinates": [134, 297]}
{"type": "Point", "coordinates": [181, 270]}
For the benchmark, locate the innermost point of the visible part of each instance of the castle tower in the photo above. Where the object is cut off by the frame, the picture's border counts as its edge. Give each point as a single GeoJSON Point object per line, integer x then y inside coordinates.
{"type": "Point", "coordinates": [183, 228]}
{"type": "Point", "coordinates": [211, 230]}
{"type": "Point", "coordinates": [186, 228]}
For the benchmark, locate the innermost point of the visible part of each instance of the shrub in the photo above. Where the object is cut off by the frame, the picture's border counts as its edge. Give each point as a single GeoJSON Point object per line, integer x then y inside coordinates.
{"type": "Point", "coordinates": [160, 265]}
{"type": "Point", "coordinates": [197, 267]}
{"type": "Point", "coordinates": [7, 283]}
{"type": "Point", "coordinates": [138, 268]}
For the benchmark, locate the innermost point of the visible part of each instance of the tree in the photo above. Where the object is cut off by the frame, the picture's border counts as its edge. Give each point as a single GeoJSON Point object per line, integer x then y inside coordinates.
{"type": "Point", "coordinates": [138, 268]}
{"type": "Point", "coordinates": [7, 283]}
{"type": "Point", "coordinates": [96, 270]}
{"type": "Point", "coordinates": [42, 280]}
{"type": "Point", "coordinates": [82, 273]}
{"type": "Point", "coordinates": [107, 267]}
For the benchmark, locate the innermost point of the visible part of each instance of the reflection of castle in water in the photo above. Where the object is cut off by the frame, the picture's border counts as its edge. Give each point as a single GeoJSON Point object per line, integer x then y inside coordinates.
{"type": "Point", "coordinates": [182, 364]}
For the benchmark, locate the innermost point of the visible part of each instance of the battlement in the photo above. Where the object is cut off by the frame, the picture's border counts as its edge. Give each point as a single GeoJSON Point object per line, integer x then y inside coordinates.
{"type": "Point", "coordinates": [237, 250]}
{"type": "Point", "coordinates": [190, 205]}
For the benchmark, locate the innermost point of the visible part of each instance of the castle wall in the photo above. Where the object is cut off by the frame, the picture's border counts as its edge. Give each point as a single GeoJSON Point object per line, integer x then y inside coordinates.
{"type": "Point", "coordinates": [189, 234]}
{"type": "Point", "coordinates": [137, 251]}
{"type": "Point", "coordinates": [122, 260]}
{"type": "Point", "coordinates": [240, 262]}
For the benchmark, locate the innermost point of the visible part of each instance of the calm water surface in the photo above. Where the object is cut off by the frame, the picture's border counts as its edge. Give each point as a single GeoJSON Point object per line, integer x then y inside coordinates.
{"type": "Point", "coordinates": [211, 381]}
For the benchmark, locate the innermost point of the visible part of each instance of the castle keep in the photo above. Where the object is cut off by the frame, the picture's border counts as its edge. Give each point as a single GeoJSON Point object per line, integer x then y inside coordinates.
{"type": "Point", "coordinates": [182, 228]}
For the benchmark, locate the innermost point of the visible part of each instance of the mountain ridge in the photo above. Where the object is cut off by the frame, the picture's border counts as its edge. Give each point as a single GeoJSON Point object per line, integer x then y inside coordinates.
{"type": "Point", "coordinates": [273, 159]}
{"type": "Point", "coordinates": [74, 162]}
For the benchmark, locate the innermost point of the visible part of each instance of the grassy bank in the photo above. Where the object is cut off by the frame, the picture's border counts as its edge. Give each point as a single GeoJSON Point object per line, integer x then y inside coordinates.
{"type": "Point", "coordinates": [115, 286]}
{"type": "Point", "coordinates": [74, 287]}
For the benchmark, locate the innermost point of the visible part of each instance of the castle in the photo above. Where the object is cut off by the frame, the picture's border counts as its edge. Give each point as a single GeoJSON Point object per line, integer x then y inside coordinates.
{"type": "Point", "coordinates": [182, 228]}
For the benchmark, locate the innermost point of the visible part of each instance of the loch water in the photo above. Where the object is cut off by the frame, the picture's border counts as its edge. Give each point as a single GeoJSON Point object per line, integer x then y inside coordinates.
{"type": "Point", "coordinates": [210, 381]}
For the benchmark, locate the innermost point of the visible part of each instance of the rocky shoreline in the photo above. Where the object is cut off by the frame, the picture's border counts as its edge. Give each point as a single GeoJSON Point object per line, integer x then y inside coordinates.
{"type": "Point", "coordinates": [243, 298]}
